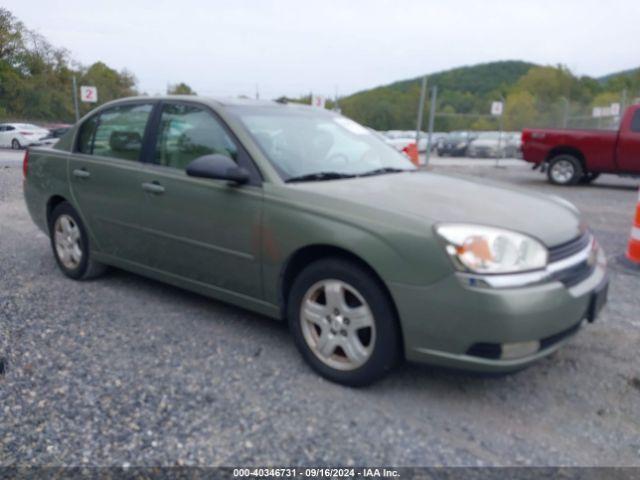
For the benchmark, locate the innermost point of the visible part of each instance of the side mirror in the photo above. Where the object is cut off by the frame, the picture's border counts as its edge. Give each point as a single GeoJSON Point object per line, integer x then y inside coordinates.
{"type": "Point", "coordinates": [219, 167]}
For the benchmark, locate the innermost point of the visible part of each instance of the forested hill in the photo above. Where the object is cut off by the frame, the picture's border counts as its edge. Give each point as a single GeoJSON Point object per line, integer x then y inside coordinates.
{"type": "Point", "coordinates": [534, 94]}
{"type": "Point", "coordinates": [481, 78]}
{"type": "Point", "coordinates": [464, 89]}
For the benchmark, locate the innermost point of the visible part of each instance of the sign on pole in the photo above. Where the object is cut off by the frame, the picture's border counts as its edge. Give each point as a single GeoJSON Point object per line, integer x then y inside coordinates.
{"type": "Point", "coordinates": [615, 109]}
{"type": "Point", "coordinates": [89, 94]}
{"type": "Point", "coordinates": [496, 108]}
{"type": "Point", "coordinates": [318, 101]}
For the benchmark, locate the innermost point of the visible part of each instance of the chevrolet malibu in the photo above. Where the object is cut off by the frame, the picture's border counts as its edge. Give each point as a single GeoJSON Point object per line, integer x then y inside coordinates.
{"type": "Point", "coordinates": [301, 214]}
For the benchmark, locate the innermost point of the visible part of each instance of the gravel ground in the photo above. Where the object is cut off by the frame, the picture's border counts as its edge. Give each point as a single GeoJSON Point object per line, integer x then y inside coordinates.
{"type": "Point", "coordinates": [125, 370]}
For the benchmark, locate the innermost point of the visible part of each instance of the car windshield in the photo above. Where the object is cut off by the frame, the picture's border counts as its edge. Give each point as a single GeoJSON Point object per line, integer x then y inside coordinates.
{"type": "Point", "coordinates": [310, 144]}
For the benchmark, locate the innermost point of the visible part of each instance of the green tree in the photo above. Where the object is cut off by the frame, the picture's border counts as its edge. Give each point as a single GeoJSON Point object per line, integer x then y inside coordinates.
{"type": "Point", "coordinates": [110, 83]}
{"type": "Point", "coordinates": [180, 89]}
{"type": "Point", "coordinates": [36, 77]}
{"type": "Point", "coordinates": [519, 111]}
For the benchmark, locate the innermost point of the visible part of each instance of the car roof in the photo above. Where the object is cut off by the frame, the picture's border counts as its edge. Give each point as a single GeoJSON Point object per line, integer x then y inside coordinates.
{"type": "Point", "coordinates": [222, 101]}
{"type": "Point", "coordinates": [214, 102]}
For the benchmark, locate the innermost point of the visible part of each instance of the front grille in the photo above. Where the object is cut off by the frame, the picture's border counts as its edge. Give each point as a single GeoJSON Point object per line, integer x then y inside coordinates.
{"type": "Point", "coordinates": [494, 350]}
{"type": "Point", "coordinates": [569, 248]}
{"type": "Point", "coordinates": [574, 275]}
{"type": "Point", "coordinates": [485, 350]}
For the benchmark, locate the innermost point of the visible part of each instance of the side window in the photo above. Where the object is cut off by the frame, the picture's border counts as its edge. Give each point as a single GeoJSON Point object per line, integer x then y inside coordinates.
{"type": "Point", "coordinates": [85, 135]}
{"type": "Point", "coordinates": [187, 132]}
{"type": "Point", "coordinates": [635, 122]}
{"type": "Point", "coordinates": [10, 128]}
{"type": "Point", "coordinates": [120, 130]}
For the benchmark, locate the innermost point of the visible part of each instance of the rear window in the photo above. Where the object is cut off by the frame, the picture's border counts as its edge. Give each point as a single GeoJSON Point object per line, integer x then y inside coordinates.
{"type": "Point", "coordinates": [85, 136]}
{"type": "Point", "coordinates": [116, 132]}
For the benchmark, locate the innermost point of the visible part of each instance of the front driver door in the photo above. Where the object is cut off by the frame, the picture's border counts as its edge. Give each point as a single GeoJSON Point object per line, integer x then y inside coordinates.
{"type": "Point", "coordinates": [205, 231]}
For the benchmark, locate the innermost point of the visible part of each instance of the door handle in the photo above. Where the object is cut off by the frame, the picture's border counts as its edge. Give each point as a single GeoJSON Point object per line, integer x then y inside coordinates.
{"type": "Point", "coordinates": [81, 173]}
{"type": "Point", "coordinates": [153, 187]}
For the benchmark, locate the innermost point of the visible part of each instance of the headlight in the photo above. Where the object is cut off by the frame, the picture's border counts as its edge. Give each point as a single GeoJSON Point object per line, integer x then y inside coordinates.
{"type": "Point", "coordinates": [482, 249]}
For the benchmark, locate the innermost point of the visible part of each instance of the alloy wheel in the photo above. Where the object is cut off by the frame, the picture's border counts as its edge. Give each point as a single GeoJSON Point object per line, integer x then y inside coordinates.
{"type": "Point", "coordinates": [337, 324]}
{"type": "Point", "coordinates": [67, 241]}
{"type": "Point", "coordinates": [562, 171]}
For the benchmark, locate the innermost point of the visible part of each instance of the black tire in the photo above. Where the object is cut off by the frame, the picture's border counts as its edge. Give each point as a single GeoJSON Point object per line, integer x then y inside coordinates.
{"type": "Point", "coordinates": [386, 347]}
{"type": "Point", "coordinates": [15, 144]}
{"type": "Point", "coordinates": [564, 170]}
{"type": "Point", "coordinates": [589, 177]}
{"type": "Point", "coordinates": [87, 268]}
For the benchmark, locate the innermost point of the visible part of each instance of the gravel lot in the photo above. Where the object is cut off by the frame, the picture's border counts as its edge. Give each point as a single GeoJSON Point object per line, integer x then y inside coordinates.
{"type": "Point", "coordinates": [125, 370]}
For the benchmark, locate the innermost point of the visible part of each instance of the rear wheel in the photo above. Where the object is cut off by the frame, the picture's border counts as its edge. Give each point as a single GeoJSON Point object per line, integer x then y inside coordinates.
{"type": "Point", "coordinates": [71, 245]}
{"type": "Point", "coordinates": [564, 170]}
{"type": "Point", "coordinates": [15, 144]}
{"type": "Point", "coordinates": [343, 323]}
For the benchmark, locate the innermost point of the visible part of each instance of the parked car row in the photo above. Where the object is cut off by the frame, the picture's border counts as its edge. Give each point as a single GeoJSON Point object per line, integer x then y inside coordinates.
{"type": "Point", "coordinates": [400, 139]}
{"type": "Point", "coordinates": [21, 135]}
{"type": "Point", "coordinates": [459, 143]}
{"type": "Point", "coordinates": [495, 145]}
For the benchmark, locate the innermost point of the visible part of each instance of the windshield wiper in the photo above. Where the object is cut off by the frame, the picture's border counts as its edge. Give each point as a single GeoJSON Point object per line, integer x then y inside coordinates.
{"type": "Point", "coordinates": [380, 171]}
{"type": "Point", "coordinates": [319, 176]}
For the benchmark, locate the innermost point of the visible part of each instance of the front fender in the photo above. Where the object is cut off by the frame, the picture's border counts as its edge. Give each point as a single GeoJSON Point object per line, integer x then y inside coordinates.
{"type": "Point", "coordinates": [399, 249]}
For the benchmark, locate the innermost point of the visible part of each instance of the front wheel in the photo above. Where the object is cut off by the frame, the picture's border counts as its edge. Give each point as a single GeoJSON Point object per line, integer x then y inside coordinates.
{"type": "Point", "coordinates": [343, 322]}
{"type": "Point", "coordinates": [71, 245]}
{"type": "Point", "coordinates": [564, 170]}
{"type": "Point", "coordinates": [15, 144]}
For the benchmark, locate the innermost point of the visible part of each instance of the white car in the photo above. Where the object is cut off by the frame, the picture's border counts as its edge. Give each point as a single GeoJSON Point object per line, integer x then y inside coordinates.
{"type": "Point", "coordinates": [20, 135]}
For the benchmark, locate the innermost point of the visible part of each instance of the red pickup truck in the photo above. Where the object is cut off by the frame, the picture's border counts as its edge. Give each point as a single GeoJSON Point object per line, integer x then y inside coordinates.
{"type": "Point", "coordinates": [579, 156]}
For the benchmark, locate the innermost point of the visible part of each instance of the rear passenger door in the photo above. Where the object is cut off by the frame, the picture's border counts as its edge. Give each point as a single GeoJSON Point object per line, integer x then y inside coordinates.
{"type": "Point", "coordinates": [203, 230]}
{"type": "Point", "coordinates": [106, 177]}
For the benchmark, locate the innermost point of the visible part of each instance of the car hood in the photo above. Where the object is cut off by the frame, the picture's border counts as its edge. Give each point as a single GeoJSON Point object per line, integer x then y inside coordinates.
{"type": "Point", "coordinates": [436, 198]}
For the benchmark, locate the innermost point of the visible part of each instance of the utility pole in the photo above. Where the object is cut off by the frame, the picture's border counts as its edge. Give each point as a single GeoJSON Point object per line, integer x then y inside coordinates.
{"type": "Point", "coordinates": [423, 93]}
{"type": "Point", "coordinates": [75, 98]}
{"type": "Point", "coordinates": [565, 112]}
{"type": "Point", "coordinates": [501, 121]}
{"type": "Point", "coordinates": [432, 115]}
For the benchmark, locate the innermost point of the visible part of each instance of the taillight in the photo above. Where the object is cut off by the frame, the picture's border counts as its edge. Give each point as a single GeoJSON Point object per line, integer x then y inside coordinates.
{"type": "Point", "coordinates": [27, 133]}
{"type": "Point", "coordinates": [25, 163]}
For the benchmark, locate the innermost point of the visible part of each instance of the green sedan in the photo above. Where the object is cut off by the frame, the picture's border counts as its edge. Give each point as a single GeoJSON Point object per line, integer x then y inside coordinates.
{"type": "Point", "coordinates": [304, 215]}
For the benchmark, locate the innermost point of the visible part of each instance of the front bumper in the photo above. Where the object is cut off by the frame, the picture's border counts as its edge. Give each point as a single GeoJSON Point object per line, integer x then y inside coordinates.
{"type": "Point", "coordinates": [444, 323]}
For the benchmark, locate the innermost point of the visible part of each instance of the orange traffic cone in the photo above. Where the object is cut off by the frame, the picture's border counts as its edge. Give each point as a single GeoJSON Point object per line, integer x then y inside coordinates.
{"type": "Point", "coordinates": [411, 151]}
{"type": "Point", "coordinates": [633, 250]}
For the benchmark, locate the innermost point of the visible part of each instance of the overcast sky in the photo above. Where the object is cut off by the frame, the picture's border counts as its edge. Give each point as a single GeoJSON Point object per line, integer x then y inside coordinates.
{"type": "Point", "coordinates": [296, 46]}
